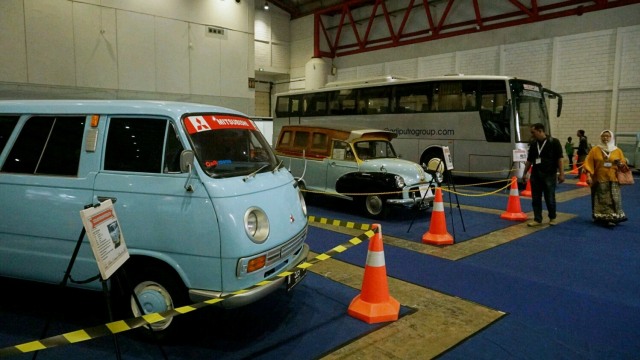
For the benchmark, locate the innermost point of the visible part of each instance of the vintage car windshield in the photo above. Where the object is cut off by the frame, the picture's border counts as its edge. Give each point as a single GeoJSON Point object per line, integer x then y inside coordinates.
{"type": "Point", "coordinates": [228, 146]}
{"type": "Point", "coordinates": [374, 149]}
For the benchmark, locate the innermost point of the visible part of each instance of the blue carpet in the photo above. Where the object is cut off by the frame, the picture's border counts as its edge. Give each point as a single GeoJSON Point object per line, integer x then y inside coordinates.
{"type": "Point", "coordinates": [571, 291]}
{"type": "Point", "coordinates": [411, 225]}
{"type": "Point", "coordinates": [311, 320]}
{"type": "Point", "coordinates": [498, 201]}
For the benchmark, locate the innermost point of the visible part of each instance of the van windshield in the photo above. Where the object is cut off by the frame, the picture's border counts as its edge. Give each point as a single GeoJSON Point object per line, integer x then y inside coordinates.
{"type": "Point", "coordinates": [228, 145]}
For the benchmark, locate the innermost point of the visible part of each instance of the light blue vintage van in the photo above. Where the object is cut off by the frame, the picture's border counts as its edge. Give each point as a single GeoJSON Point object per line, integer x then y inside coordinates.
{"type": "Point", "coordinates": [193, 186]}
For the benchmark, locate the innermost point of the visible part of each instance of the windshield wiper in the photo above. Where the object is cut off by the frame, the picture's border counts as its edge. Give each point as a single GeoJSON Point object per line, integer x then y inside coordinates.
{"type": "Point", "coordinates": [255, 172]}
{"type": "Point", "coordinates": [278, 166]}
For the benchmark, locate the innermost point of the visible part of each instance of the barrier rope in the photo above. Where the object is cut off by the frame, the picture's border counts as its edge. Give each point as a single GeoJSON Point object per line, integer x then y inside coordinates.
{"type": "Point", "coordinates": [119, 326]}
{"type": "Point", "coordinates": [329, 193]}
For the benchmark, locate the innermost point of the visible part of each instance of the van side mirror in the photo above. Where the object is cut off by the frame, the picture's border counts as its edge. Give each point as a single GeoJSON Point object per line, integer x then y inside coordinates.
{"type": "Point", "coordinates": [186, 164]}
{"type": "Point", "coordinates": [186, 160]}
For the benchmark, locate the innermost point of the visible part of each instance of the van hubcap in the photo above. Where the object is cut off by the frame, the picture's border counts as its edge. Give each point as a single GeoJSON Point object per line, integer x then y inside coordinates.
{"type": "Point", "coordinates": [153, 298]}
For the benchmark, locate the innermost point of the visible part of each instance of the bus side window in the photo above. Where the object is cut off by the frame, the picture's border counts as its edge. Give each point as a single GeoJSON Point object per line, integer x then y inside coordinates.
{"type": "Point", "coordinates": [296, 106]}
{"type": "Point", "coordinates": [412, 98]}
{"type": "Point", "coordinates": [282, 106]}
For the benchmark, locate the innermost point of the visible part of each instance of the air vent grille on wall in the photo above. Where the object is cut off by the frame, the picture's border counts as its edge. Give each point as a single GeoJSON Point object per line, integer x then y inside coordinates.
{"type": "Point", "coordinates": [214, 30]}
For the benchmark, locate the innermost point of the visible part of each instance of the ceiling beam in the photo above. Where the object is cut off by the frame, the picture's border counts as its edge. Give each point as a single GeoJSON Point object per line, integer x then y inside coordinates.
{"type": "Point", "coordinates": [332, 41]}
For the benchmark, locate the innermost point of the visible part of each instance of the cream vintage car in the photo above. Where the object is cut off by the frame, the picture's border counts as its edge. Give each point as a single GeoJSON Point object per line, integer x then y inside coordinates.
{"type": "Point", "coordinates": [355, 164]}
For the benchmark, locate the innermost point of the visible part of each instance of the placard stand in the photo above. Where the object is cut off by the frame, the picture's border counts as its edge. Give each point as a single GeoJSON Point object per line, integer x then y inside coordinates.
{"type": "Point", "coordinates": [449, 179]}
{"type": "Point", "coordinates": [105, 290]}
{"type": "Point", "coordinates": [451, 183]}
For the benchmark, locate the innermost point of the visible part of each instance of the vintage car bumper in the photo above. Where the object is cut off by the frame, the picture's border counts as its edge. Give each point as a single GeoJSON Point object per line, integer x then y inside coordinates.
{"type": "Point", "coordinates": [413, 196]}
{"type": "Point", "coordinates": [254, 294]}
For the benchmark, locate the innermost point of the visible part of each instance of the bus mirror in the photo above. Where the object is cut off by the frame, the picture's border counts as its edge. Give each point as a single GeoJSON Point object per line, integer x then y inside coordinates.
{"type": "Point", "coordinates": [554, 95]}
{"type": "Point", "coordinates": [559, 107]}
{"type": "Point", "coordinates": [186, 160]}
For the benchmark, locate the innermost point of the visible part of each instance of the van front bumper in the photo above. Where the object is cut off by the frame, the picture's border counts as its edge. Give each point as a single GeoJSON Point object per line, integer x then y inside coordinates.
{"type": "Point", "coordinates": [254, 293]}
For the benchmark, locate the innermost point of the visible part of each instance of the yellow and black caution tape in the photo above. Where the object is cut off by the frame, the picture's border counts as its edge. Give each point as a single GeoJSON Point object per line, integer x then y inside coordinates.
{"type": "Point", "coordinates": [119, 326]}
{"type": "Point", "coordinates": [339, 223]}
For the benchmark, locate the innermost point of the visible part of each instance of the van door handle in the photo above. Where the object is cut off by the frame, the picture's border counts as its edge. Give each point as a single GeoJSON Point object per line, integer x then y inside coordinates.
{"type": "Point", "coordinates": [104, 198]}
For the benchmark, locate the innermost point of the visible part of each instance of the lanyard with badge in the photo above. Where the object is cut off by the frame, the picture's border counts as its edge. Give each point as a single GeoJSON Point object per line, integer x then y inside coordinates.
{"type": "Point", "coordinates": [607, 163]}
{"type": "Point", "coordinates": [538, 159]}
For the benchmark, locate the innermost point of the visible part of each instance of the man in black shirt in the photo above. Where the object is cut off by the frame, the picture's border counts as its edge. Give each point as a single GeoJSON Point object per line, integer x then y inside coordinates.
{"type": "Point", "coordinates": [545, 155]}
{"type": "Point", "coordinates": [583, 150]}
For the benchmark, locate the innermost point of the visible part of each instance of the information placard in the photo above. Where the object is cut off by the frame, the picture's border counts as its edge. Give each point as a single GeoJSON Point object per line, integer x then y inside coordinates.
{"type": "Point", "coordinates": [105, 237]}
{"type": "Point", "coordinates": [447, 157]}
{"type": "Point", "coordinates": [519, 155]}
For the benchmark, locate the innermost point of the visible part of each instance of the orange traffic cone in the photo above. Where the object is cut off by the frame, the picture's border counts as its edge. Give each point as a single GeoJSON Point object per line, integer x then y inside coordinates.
{"type": "Point", "coordinates": [374, 304]}
{"type": "Point", "coordinates": [574, 171]}
{"type": "Point", "coordinates": [583, 179]}
{"type": "Point", "coordinates": [514, 211]}
{"type": "Point", "coordinates": [437, 234]}
{"type": "Point", "coordinates": [527, 190]}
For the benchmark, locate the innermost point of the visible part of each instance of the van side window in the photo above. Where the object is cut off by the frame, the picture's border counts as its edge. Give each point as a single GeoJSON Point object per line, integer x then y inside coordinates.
{"type": "Point", "coordinates": [47, 145]}
{"type": "Point", "coordinates": [7, 124]}
{"type": "Point", "coordinates": [135, 144]}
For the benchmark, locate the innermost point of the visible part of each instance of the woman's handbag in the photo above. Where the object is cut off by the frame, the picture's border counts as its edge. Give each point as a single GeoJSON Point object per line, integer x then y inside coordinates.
{"type": "Point", "coordinates": [625, 176]}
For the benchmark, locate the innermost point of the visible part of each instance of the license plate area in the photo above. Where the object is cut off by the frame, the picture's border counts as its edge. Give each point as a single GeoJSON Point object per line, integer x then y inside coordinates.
{"type": "Point", "coordinates": [295, 277]}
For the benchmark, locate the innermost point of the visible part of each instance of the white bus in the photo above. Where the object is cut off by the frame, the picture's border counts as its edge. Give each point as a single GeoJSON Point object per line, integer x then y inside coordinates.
{"type": "Point", "coordinates": [481, 119]}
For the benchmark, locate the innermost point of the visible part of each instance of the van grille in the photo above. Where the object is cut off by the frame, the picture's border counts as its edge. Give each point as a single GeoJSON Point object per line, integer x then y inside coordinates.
{"type": "Point", "coordinates": [274, 255]}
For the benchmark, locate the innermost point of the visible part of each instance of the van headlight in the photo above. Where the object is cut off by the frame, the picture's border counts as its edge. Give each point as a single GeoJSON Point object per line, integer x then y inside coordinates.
{"type": "Point", "coordinates": [256, 224]}
{"type": "Point", "coordinates": [399, 181]}
{"type": "Point", "coordinates": [303, 204]}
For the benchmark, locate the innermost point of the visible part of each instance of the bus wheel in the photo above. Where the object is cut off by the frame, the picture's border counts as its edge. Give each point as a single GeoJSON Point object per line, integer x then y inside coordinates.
{"type": "Point", "coordinates": [158, 289]}
{"type": "Point", "coordinates": [375, 206]}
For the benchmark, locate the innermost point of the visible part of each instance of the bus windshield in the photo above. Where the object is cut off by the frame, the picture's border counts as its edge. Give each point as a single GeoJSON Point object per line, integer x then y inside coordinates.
{"type": "Point", "coordinates": [530, 108]}
{"type": "Point", "coordinates": [228, 146]}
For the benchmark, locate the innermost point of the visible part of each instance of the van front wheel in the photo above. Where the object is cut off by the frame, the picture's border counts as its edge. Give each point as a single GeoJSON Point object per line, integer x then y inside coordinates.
{"type": "Point", "coordinates": [157, 290]}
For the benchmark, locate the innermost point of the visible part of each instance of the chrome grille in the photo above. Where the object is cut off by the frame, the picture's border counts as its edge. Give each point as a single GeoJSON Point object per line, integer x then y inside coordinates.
{"type": "Point", "coordinates": [274, 255]}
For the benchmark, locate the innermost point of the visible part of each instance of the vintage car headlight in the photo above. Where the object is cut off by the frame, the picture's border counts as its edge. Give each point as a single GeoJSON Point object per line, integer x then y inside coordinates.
{"type": "Point", "coordinates": [438, 175]}
{"type": "Point", "coordinates": [302, 203]}
{"type": "Point", "coordinates": [399, 181]}
{"type": "Point", "coordinates": [256, 224]}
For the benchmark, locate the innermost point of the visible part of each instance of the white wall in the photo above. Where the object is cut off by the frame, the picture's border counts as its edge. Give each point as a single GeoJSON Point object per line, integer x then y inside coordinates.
{"type": "Point", "coordinates": [136, 49]}
{"type": "Point", "coordinates": [593, 60]}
